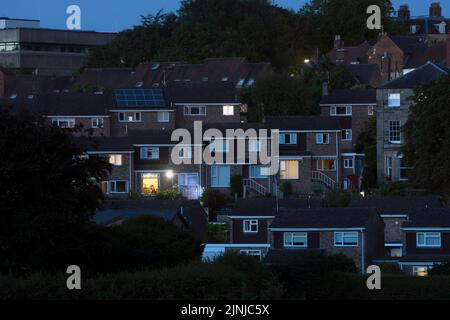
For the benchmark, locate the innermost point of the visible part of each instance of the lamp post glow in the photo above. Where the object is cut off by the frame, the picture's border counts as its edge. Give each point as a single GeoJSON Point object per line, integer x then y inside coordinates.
{"type": "Point", "coordinates": [169, 174]}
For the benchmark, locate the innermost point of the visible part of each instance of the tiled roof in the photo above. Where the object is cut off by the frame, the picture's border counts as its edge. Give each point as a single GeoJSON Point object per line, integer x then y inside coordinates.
{"type": "Point", "coordinates": [349, 97]}
{"type": "Point", "coordinates": [425, 258]}
{"type": "Point", "coordinates": [397, 204]}
{"type": "Point", "coordinates": [303, 123]}
{"type": "Point", "coordinates": [354, 53]}
{"type": "Point", "coordinates": [111, 144]}
{"type": "Point", "coordinates": [418, 77]}
{"type": "Point", "coordinates": [268, 207]}
{"type": "Point", "coordinates": [203, 92]}
{"type": "Point", "coordinates": [363, 73]}
{"type": "Point", "coordinates": [326, 218]}
{"type": "Point", "coordinates": [428, 218]}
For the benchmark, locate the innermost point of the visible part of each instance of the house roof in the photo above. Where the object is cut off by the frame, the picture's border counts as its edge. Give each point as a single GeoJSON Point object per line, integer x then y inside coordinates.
{"type": "Point", "coordinates": [326, 218]}
{"type": "Point", "coordinates": [349, 97]}
{"type": "Point", "coordinates": [397, 204]}
{"type": "Point", "coordinates": [203, 92]}
{"type": "Point", "coordinates": [363, 73]}
{"type": "Point", "coordinates": [354, 53]}
{"type": "Point", "coordinates": [111, 144]}
{"type": "Point", "coordinates": [268, 207]}
{"type": "Point", "coordinates": [428, 218]}
{"type": "Point", "coordinates": [306, 123]}
{"type": "Point", "coordinates": [418, 77]}
{"type": "Point", "coordinates": [424, 258]}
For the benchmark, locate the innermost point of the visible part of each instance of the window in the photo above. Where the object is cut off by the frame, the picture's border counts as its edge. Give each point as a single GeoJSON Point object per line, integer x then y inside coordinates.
{"type": "Point", "coordinates": [326, 165]}
{"type": "Point", "coordinates": [288, 138]}
{"type": "Point", "coordinates": [121, 116]}
{"type": "Point", "coordinates": [220, 176]}
{"type": "Point", "coordinates": [129, 117]}
{"type": "Point", "coordinates": [228, 110]}
{"type": "Point", "coordinates": [163, 116]}
{"type": "Point", "coordinates": [115, 159]}
{"type": "Point", "coordinates": [394, 100]}
{"type": "Point", "coordinates": [195, 110]}
{"type": "Point", "coordinates": [254, 145]}
{"type": "Point", "coordinates": [64, 122]}
{"type": "Point", "coordinates": [348, 163]}
{"type": "Point", "coordinates": [259, 172]}
{"type": "Point", "coordinates": [395, 127]}
{"type": "Point", "coordinates": [240, 83]}
{"type": "Point", "coordinates": [389, 167]}
{"type": "Point", "coordinates": [97, 123]}
{"type": "Point", "coordinates": [117, 186]}
{"type": "Point", "coordinates": [322, 138]}
{"type": "Point", "coordinates": [346, 135]}
{"type": "Point", "coordinates": [296, 239]}
{"type": "Point", "coordinates": [370, 111]}
{"type": "Point", "coordinates": [250, 82]}
{"type": "Point", "coordinates": [220, 145]}
{"type": "Point", "coordinates": [428, 239]}
{"type": "Point", "coordinates": [250, 226]}
{"type": "Point", "coordinates": [188, 179]}
{"type": "Point", "coordinates": [345, 239]}
{"type": "Point", "coordinates": [396, 252]}
{"type": "Point", "coordinates": [413, 29]}
{"type": "Point", "coordinates": [289, 169]}
{"type": "Point", "coordinates": [185, 153]}
{"type": "Point", "coordinates": [421, 271]}
{"type": "Point", "coordinates": [403, 169]}
{"type": "Point", "coordinates": [341, 111]}
{"type": "Point", "coordinates": [150, 153]}
{"type": "Point", "coordinates": [137, 117]}
{"type": "Point", "coordinates": [252, 253]}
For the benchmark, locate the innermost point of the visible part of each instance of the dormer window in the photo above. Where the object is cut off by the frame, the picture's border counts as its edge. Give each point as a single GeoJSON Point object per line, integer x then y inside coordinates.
{"type": "Point", "coordinates": [394, 100]}
{"type": "Point", "coordinates": [250, 82]}
{"type": "Point", "coordinates": [30, 96]}
{"type": "Point", "coordinates": [413, 29]}
{"type": "Point", "coordinates": [13, 96]}
{"type": "Point", "coordinates": [139, 84]}
{"type": "Point", "coordinates": [225, 79]}
{"type": "Point", "coordinates": [240, 83]}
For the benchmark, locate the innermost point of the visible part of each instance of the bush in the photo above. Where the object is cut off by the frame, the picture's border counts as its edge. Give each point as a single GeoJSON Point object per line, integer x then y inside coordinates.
{"type": "Point", "coordinates": [286, 188]}
{"type": "Point", "coordinates": [213, 200]}
{"type": "Point", "coordinates": [236, 185]}
{"type": "Point", "coordinates": [441, 269]}
{"type": "Point", "coordinates": [337, 198]}
{"type": "Point", "coordinates": [217, 232]}
{"type": "Point", "coordinates": [390, 268]}
{"type": "Point", "coordinates": [167, 195]}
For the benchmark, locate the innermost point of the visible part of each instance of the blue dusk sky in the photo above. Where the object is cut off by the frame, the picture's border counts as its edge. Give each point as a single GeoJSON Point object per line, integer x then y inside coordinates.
{"type": "Point", "coordinates": [116, 15]}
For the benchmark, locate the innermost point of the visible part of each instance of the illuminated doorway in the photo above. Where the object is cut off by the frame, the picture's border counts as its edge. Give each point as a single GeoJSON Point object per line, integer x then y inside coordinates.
{"type": "Point", "coordinates": [150, 183]}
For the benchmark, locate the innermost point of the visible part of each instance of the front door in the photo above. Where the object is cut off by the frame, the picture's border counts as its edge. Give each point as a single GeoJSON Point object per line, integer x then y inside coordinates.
{"type": "Point", "coordinates": [150, 183]}
{"type": "Point", "coordinates": [189, 186]}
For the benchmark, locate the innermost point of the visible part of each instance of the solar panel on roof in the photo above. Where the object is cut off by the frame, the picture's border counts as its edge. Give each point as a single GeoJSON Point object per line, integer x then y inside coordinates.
{"type": "Point", "coordinates": [140, 97]}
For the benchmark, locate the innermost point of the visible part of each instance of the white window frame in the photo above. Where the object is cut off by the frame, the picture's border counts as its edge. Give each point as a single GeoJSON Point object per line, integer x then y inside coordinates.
{"type": "Point", "coordinates": [228, 110]}
{"type": "Point", "coordinates": [320, 138]}
{"type": "Point", "coordinates": [97, 123]}
{"type": "Point", "coordinates": [201, 110]}
{"type": "Point", "coordinates": [288, 239]}
{"type": "Point", "coordinates": [116, 160]}
{"type": "Point", "coordinates": [292, 138]}
{"type": "Point", "coordinates": [114, 183]}
{"type": "Point", "coordinates": [428, 235]}
{"type": "Point", "coordinates": [136, 117]}
{"type": "Point", "coordinates": [370, 110]}
{"type": "Point", "coordinates": [349, 163]}
{"type": "Point", "coordinates": [163, 116]}
{"type": "Point", "coordinates": [344, 234]}
{"type": "Point", "coordinates": [70, 122]}
{"type": "Point", "coordinates": [394, 100]}
{"type": "Point", "coordinates": [348, 111]}
{"type": "Point", "coordinates": [250, 226]}
{"type": "Point", "coordinates": [350, 133]}
{"type": "Point", "coordinates": [144, 153]}
{"type": "Point", "coordinates": [393, 132]}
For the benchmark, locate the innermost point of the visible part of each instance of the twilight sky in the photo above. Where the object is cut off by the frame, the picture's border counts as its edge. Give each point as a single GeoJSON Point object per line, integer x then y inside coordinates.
{"type": "Point", "coordinates": [115, 15]}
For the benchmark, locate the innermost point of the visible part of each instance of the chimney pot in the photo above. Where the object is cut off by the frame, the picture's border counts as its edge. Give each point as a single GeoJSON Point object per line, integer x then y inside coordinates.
{"type": "Point", "coordinates": [435, 10]}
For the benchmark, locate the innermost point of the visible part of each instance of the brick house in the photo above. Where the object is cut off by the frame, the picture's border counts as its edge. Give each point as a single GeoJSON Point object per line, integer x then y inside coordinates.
{"type": "Point", "coordinates": [392, 111]}
{"type": "Point", "coordinates": [354, 232]}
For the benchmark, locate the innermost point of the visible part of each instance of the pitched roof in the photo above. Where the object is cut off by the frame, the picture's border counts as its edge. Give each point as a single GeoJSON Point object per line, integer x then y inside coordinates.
{"type": "Point", "coordinates": [418, 77]}
{"type": "Point", "coordinates": [326, 218]}
{"type": "Point", "coordinates": [428, 218]}
{"type": "Point", "coordinates": [268, 207]}
{"type": "Point", "coordinates": [363, 73]}
{"type": "Point", "coordinates": [303, 123]}
{"type": "Point", "coordinates": [111, 144]}
{"type": "Point", "coordinates": [397, 204]}
{"type": "Point", "coordinates": [203, 92]}
{"type": "Point", "coordinates": [349, 97]}
{"type": "Point", "coordinates": [353, 53]}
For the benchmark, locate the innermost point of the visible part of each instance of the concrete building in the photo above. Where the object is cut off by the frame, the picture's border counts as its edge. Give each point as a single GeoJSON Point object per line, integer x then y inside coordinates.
{"type": "Point", "coordinates": [26, 47]}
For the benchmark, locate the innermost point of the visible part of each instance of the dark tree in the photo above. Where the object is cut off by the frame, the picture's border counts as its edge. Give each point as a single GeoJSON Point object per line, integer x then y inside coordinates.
{"type": "Point", "coordinates": [367, 144]}
{"type": "Point", "coordinates": [427, 135]}
{"type": "Point", "coordinates": [47, 191]}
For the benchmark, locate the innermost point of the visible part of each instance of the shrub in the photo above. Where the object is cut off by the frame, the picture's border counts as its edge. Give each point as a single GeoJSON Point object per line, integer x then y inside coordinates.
{"type": "Point", "coordinates": [390, 268]}
{"type": "Point", "coordinates": [236, 185]}
{"type": "Point", "coordinates": [441, 269]}
{"type": "Point", "coordinates": [213, 200]}
{"type": "Point", "coordinates": [286, 188]}
{"type": "Point", "coordinates": [337, 198]}
{"type": "Point", "coordinates": [167, 195]}
{"type": "Point", "coordinates": [217, 232]}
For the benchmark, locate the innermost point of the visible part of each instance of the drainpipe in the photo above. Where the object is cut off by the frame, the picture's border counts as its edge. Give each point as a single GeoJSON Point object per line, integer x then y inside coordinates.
{"type": "Point", "coordinates": [338, 167]}
{"type": "Point", "coordinates": [362, 253]}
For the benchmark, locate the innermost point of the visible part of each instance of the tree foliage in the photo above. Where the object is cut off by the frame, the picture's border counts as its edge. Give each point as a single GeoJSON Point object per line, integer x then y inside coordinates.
{"type": "Point", "coordinates": [427, 133]}
{"type": "Point", "coordinates": [367, 144]}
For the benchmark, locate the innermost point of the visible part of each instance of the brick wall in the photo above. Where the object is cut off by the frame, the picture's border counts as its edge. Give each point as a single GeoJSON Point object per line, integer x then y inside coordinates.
{"type": "Point", "coordinates": [149, 120]}
{"type": "Point", "coordinates": [354, 253]}
{"type": "Point", "coordinates": [214, 114]}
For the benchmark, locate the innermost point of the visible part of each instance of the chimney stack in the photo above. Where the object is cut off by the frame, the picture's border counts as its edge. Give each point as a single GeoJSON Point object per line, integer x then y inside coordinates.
{"type": "Point", "coordinates": [404, 13]}
{"type": "Point", "coordinates": [338, 42]}
{"type": "Point", "coordinates": [435, 10]}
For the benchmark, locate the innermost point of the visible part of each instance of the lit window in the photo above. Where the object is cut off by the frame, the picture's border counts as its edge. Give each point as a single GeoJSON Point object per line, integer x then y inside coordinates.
{"type": "Point", "coordinates": [346, 135]}
{"type": "Point", "coordinates": [250, 226]}
{"type": "Point", "coordinates": [228, 110]}
{"type": "Point", "coordinates": [322, 138]}
{"type": "Point", "coordinates": [326, 165]}
{"type": "Point", "coordinates": [97, 123]}
{"type": "Point", "coordinates": [396, 252]}
{"type": "Point", "coordinates": [345, 239]}
{"type": "Point", "coordinates": [150, 153]}
{"type": "Point", "coordinates": [341, 111]}
{"type": "Point", "coordinates": [288, 138]}
{"type": "Point", "coordinates": [296, 239]}
{"type": "Point", "coordinates": [428, 239]}
{"type": "Point", "coordinates": [394, 100]}
{"type": "Point", "coordinates": [115, 159]}
{"type": "Point", "coordinates": [395, 127]}
{"type": "Point", "coordinates": [289, 169]}
{"type": "Point", "coordinates": [421, 271]}
{"type": "Point", "coordinates": [163, 116]}
{"type": "Point", "coordinates": [348, 163]}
